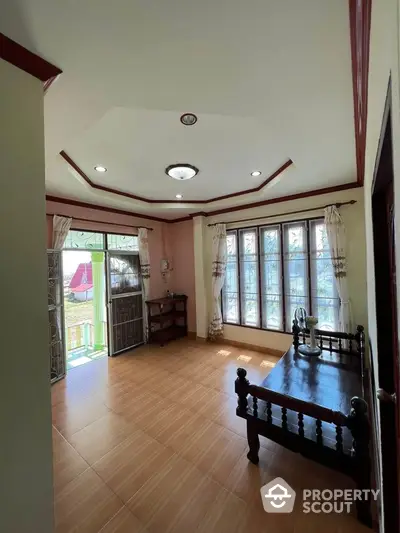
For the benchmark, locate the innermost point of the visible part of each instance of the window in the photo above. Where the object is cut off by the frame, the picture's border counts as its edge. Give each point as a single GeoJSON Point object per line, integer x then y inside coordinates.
{"type": "Point", "coordinates": [94, 240]}
{"type": "Point", "coordinates": [272, 270]}
{"type": "Point", "coordinates": [271, 276]}
{"type": "Point", "coordinates": [248, 255]}
{"type": "Point", "coordinates": [84, 240]}
{"type": "Point", "coordinates": [230, 301]}
{"type": "Point", "coordinates": [122, 242]}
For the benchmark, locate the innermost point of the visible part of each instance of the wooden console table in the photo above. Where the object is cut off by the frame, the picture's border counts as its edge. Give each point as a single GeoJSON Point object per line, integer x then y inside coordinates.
{"type": "Point", "coordinates": [167, 318]}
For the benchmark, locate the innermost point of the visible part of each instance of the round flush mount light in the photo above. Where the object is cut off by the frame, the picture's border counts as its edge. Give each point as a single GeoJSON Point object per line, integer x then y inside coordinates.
{"type": "Point", "coordinates": [181, 171]}
{"type": "Point", "coordinates": [178, 197]}
{"type": "Point", "coordinates": [256, 173]}
{"type": "Point", "coordinates": [100, 168]}
{"type": "Point", "coordinates": [188, 119]}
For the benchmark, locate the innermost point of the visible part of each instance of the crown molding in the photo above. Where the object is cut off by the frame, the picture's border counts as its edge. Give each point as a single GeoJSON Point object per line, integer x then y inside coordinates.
{"type": "Point", "coordinates": [24, 59]}
{"type": "Point", "coordinates": [360, 29]}
{"type": "Point", "coordinates": [360, 25]}
{"type": "Point", "coordinates": [307, 194]}
{"type": "Point", "coordinates": [288, 198]}
{"type": "Point", "coordinates": [76, 203]}
{"type": "Point", "coordinates": [94, 185]}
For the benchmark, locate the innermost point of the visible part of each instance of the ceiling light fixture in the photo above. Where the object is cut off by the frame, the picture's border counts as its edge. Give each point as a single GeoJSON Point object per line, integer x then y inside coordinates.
{"type": "Point", "coordinates": [179, 197]}
{"type": "Point", "coordinates": [100, 168]}
{"type": "Point", "coordinates": [181, 171]}
{"type": "Point", "coordinates": [256, 173]}
{"type": "Point", "coordinates": [188, 119]}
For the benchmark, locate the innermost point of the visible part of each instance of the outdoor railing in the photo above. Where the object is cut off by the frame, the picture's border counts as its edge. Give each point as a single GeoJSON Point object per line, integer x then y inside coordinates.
{"type": "Point", "coordinates": [82, 334]}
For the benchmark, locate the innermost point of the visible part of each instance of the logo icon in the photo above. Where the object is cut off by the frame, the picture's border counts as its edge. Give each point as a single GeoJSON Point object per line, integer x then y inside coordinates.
{"type": "Point", "coordinates": [277, 496]}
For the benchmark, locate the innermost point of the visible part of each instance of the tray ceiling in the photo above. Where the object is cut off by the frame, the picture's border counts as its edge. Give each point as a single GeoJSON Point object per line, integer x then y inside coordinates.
{"type": "Point", "coordinates": [269, 81]}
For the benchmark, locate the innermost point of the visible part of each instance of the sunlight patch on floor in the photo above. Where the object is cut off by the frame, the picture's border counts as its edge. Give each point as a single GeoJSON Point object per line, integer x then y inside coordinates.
{"type": "Point", "coordinates": [224, 353]}
{"type": "Point", "coordinates": [267, 364]}
{"type": "Point", "coordinates": [80, 361]}
{"type": "Point", "coordinates": [245, 358]}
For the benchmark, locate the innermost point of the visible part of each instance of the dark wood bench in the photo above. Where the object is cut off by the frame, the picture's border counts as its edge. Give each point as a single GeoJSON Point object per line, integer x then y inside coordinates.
{"type": "Point", "coordinates": [314, 406]}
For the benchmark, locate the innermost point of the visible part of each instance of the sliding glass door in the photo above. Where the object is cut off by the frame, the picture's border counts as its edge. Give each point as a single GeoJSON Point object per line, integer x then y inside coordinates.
{"type": "Point", "coordinates": [125, 305]}
{"type": "Point", "coordinates": [95, 302]}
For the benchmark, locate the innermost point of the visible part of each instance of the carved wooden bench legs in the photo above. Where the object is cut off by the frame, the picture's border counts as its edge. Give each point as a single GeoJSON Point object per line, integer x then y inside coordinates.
{"type": "Point", "coordinates": [359, 427]}
{"type": "Point", "coordinates": [241, 389]}
{"type": "Point", "coordinates": [254, 443]}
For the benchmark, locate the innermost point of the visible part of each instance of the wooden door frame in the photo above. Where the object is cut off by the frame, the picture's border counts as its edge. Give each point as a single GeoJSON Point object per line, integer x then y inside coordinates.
{"type": "Point", "coordinates": [385, 472]}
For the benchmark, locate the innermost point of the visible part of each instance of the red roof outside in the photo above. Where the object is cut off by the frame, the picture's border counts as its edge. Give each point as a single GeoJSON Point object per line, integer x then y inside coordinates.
{"type": "Point", "coordinates": [82, 280]}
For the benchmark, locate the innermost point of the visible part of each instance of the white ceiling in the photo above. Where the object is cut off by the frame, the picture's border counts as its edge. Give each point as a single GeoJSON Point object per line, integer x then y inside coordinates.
{"type": "Point", "coordinates": [268, 81]}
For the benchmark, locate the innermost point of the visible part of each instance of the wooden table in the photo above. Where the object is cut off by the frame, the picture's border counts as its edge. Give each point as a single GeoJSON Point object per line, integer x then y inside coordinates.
{"type": "Point", "coordinates": [329, 381]}
{"type": "Point", "coordinates": [313, 406]}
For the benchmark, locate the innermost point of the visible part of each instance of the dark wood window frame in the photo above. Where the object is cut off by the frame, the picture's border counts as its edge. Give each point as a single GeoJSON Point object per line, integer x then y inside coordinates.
{"type": "Point", "coordinates": [258, 228]}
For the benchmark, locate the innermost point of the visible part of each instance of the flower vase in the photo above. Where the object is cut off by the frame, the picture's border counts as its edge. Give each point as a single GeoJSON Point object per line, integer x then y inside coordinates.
{"type": "Point", "coordinates": [312, 348]}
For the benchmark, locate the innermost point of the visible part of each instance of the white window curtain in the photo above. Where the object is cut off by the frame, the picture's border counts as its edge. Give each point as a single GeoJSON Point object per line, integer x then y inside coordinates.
{"type": "Point", "coordinates": [219, 253]}
{"type": "Point", "coordinates": [337, 241]}
{"type": "Point", "coordinates": [61, 227]}
{"type": "Point", "coordinates": [144, 257]}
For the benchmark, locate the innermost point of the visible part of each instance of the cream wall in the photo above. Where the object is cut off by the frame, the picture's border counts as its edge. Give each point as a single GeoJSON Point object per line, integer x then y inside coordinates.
{"type": "Point", "coordinates": [26, 486]}
{"type": "Point", "coordinates": [201, 287]}
{"type": "Point", "coordinates": [181, 246]}
{"type": "Point", "coordinates": [384, 61]}
{"type": "Point", "coordinates": [353, 217]}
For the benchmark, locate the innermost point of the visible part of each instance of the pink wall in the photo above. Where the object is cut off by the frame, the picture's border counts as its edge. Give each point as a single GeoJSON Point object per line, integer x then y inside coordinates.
{"type": "Point", "coordinates": [181, 244]}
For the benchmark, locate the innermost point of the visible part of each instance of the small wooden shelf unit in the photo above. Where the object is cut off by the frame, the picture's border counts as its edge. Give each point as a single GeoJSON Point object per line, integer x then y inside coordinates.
{"type": "Point", "coordinates": [167, 318]}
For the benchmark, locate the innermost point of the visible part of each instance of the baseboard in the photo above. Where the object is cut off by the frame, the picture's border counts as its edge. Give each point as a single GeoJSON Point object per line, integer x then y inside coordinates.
{"type": "Point", "coordinates": [244, 345]}
{"type": "Point", "coordinates": [192, 335]}
{"type": "Point", "coordinates": [255, 347]}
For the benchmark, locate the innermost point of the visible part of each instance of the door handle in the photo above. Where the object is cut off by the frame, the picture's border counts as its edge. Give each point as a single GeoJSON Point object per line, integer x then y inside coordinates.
{"type": "Point", "coordinates": [385, 397]}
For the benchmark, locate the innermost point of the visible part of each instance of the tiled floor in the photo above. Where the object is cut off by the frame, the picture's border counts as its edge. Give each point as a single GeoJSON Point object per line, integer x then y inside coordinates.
{"type": "Point", "coordinates": [149, 442]}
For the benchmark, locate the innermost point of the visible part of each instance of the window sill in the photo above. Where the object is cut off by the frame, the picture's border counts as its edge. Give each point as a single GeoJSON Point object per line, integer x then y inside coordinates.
{"type": "Point", "coordinates": [258, 329]}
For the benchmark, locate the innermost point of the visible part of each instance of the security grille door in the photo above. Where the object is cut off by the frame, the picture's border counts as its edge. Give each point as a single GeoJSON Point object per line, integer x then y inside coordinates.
{"type": "Point", "coordinates": [56, 315]}
{"type": "Point", "coordinates": [125, 306]}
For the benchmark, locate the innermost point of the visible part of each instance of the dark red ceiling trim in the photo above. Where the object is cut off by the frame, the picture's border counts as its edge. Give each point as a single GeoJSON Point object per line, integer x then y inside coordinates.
{"type": "Point", "coordinates": [360, 26]}
{"type": "Point", "coordinates": [181, 219]}
{"type": "Point", "coordinates": [68, 201]}
{"type": "Point", "coordinates": [72, 163]}
{"type": "Point", "coordinates": [26, 60]}
{"type": "Point", "coordinates": [317, 192]}
{"type": "Point", "coordinates": [307, 194]}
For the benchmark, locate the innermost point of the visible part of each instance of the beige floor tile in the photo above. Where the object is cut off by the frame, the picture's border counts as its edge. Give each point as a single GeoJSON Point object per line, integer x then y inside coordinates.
{"type": "Point", "coordinates": [98, 438]}
{"type": "Point", "coordinates": [227, 417]}
{"type": "Point", "coordinates": [176, 499]}
{"type": "Point", "coordinates": [258, 521]}
{"type": "Point", "coordinates": [227, 514]}
{"type": "Point", "coordinates": [132, 404]}
{"type": "Point", "coordinates": [130, 464]}
{"type": "Point", "coordinates": [215, 451]}
{"type": "Point", "coordinates": [123, 522]}
{"type": "Point", "coordinates": [167, 421]}
{"type": "Point", "coordinates": [85, 505]}
{"type": "Point", "coordinates": [67, 463]}
{"type": "Point", "coordinates": [159, 426]}
{"type": "Point", "coordinates": [328, 523]}
{"type": "Point", "coordinates": [74, 416]}
{"type": "Point", "coordinates": [210, 404]}
{"type": "Point", "coordinates": [187, 433]}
